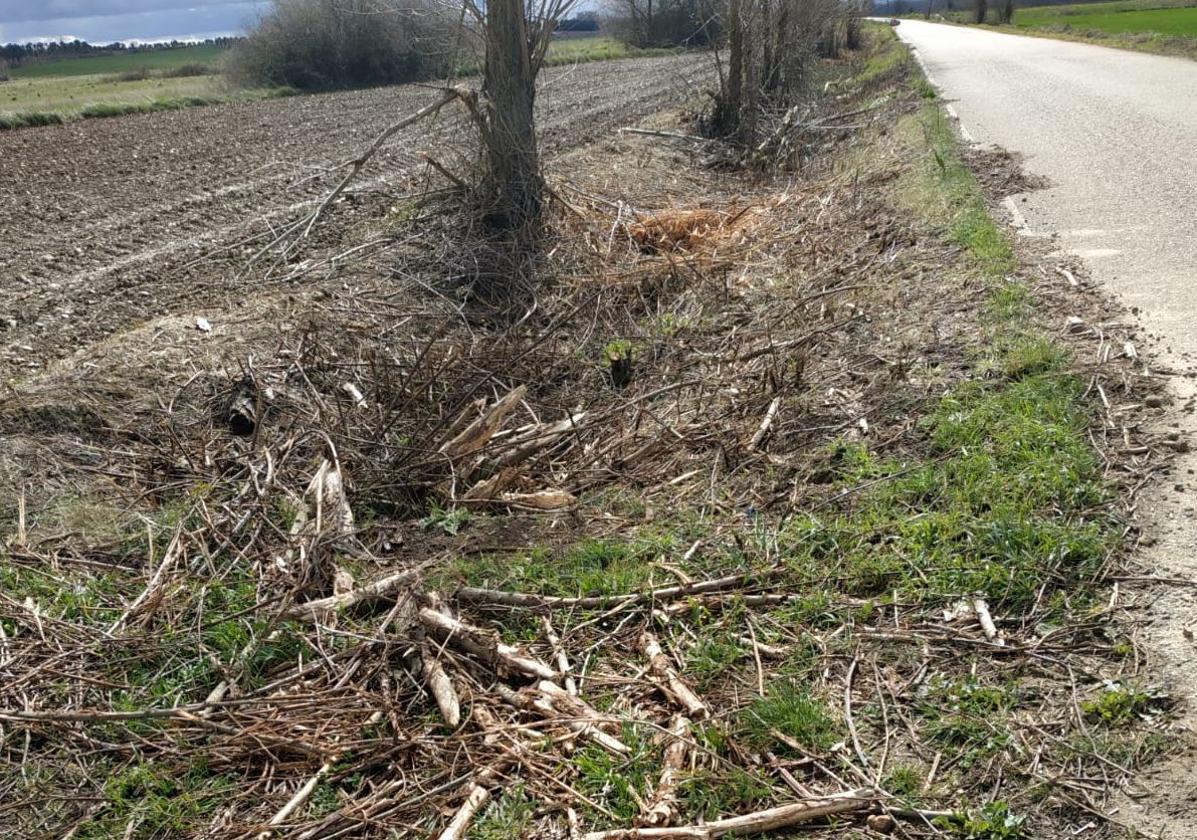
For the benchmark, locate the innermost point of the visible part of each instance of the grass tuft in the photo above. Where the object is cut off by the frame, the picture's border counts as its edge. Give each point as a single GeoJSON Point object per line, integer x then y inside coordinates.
{"type": "Point", "coordinates": [29, 119]}
{"type": "Point", "coordinates": [793, 712]}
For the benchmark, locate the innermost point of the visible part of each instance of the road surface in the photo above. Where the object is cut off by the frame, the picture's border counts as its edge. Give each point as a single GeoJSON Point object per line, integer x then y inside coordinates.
{"type": "Point", "coordinates": [1116, 134]}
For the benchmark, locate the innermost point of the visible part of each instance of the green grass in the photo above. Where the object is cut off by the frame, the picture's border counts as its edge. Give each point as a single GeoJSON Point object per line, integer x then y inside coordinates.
{"type": "Point", "coordinates": [792, 711]}
{"type": "Point", "coordinates": [566, 51]}
{"type": "Point", "coordinates": [1136, 16]}
{"type": "Point", "coordinates": [66, 96]}
{"type": "Point", "coordinates": [123, 107]}
{"type": "Point", "coordinates": [619, 782]}
{"type": "Point", "coordinates": [112, 109]}
{"type": "Point", "coordinates": [153, 800]}
{"type": "Point", "coordinates": [590, 567]}
{"type": "Point", "coordinates": [29, 119]}
{"type": "Point", "coordinates": [1001, 502]}
{"type": "Point", "coordinates": [598, 48]}
{"type": "Point", "coordinates": [1164, 27]}
{"type": "Point", "coordinates": [888, 57]}
{"type": "Point", "coordinates": [120, 62]}
{"type": "Point", "coordinates": [943, 190]}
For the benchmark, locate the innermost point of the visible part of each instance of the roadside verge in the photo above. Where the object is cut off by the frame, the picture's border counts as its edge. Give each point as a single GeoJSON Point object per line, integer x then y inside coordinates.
{"type": "Point", "coordinates": [798, 491]}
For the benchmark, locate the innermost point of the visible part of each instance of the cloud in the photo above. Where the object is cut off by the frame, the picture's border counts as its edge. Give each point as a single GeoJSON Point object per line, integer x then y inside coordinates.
{"type": "Point", "coordinates": [18, 11]}
{"type": "Point", "coordinates": [198, 19]}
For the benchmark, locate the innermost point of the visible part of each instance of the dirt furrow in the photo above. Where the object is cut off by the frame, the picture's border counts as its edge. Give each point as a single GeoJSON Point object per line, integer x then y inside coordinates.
{"type": "Point", "coordinates": [111, 222]}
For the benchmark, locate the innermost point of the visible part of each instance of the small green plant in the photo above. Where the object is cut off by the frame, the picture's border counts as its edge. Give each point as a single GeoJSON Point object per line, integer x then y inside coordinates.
{"type": "Point", "coordinates": [508, 817]}
{"type": "Point", "coordinates": [619, 356]}
{"type": "Point", "coordinates": [905, 781]}
{"type": "Point", "coordinates": [324, 800]}
{"type": "Point", "coordinates": [450, 521]}
{"type": "Point", "coordinates": [1117, 703]}
{"type": "Point", "coordinates": [669, 324]}
{"type": "Point", "coordinates": [993, 821]}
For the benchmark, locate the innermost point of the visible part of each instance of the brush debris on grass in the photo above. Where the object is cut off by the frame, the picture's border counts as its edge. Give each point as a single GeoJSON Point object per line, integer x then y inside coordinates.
{"type": "Point", "coordinates": [835, 547]}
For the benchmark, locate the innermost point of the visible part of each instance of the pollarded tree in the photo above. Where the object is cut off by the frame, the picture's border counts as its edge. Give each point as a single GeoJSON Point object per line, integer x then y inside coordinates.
{"type": "Point", "coordinates": [516, 36]}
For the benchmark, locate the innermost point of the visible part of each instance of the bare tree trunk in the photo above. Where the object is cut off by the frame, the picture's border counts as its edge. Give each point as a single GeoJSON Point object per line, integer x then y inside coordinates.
{"type": "Point", "coordinates": [509, 83]}
{"type": "Point", "coordinates": [767, 61]}
{"type": "Point", "coordinates": [730, 118]}
{"type": "Point", "coordinates": [980, 10]}
{"type": "Point", "coordinates": [1007, 13]}
{"type": "Point", "coordinates": [781, 47]}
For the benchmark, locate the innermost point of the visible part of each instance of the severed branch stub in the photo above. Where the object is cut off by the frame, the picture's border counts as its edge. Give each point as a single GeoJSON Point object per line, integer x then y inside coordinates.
{"type": "Point", "coordinates": [673, 683]}
{"type": "Point", "coordinates": [295, 802]}
{"type": "Point", "coordinates": [478, 433]}
{"type": "Point", "coordinates": [985, 619]}
{"type": "Point", "coordinates": [758, 822]}
{"type": "Point", "coordinates": [766, 425]}
{"type": "Point", "coordinates": [479, 789]}
{"type": "Point", "coordinates": [440, 687]}
{"type": "Point", "coordinates": [381, 588]}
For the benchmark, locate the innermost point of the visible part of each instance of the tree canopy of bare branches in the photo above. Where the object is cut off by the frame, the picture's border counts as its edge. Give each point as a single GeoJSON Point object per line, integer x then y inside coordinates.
{"type": "Point", "coordinates": [329, 44]}
{"type": "Point", "coordinates": [770, 45]}
{"type": "Point", "coordinates": [657, 23]}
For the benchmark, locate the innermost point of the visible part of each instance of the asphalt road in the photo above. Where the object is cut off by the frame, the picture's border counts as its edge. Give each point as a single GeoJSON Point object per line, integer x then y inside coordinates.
{"type": "Point", "coordinates": [1116, 134]}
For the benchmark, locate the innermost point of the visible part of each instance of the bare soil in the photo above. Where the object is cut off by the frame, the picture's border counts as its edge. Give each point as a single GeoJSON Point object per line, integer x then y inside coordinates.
{"type": "Point", "coordinates": [108, 223]}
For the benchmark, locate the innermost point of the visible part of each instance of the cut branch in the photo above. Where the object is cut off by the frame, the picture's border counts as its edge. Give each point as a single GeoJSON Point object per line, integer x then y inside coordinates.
{"type": "Point", "coordinates": [662, 808]}
{"type": "Point", "coordinates": [673, 682]}
{"type": "Point", "coordinates": [759, 822]}
{"type": "Point", "coordinates": [577, 717]}
{"type": "Point", "coordinates": [361, 160]}
{"type": "Point", "coordinates": [478, 433]}
{"type": "Point", "coordinates": [440, 687]}
{"type": "Point", "coordinates": [483, 644]}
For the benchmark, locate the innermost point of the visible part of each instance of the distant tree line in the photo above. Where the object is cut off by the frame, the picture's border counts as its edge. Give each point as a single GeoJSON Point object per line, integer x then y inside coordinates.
{"type": "Point", "coordinates": [585, 22]}
{"type": "Point", "coordinates": [17, 54]}
{"type": "Point", "coordinates": [664, 23]}
{"type": "Point", "coordinates": [334, 44]}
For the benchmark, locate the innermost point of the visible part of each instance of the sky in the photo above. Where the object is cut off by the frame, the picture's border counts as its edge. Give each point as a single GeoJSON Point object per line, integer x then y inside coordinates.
{"type": "Point", "coordinates": [124, 20]}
